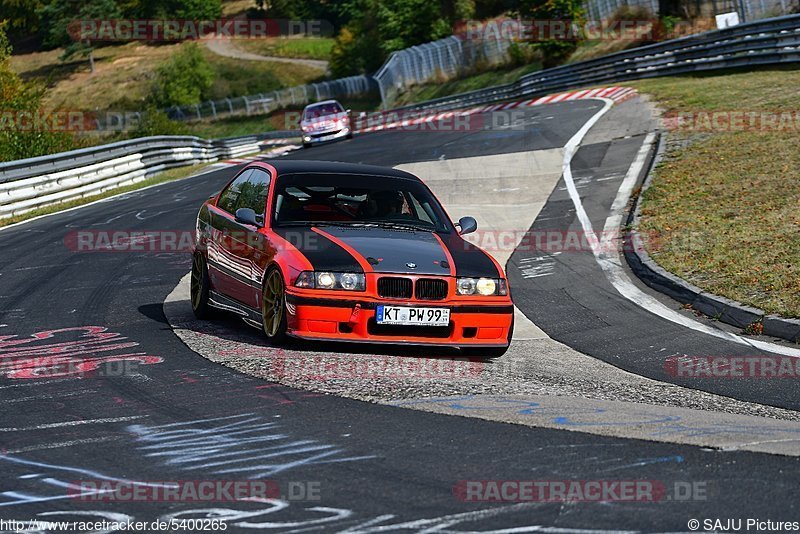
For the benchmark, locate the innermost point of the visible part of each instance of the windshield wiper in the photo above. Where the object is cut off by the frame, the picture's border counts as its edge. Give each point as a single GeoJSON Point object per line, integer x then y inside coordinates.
{"type": "Point", "coordinates": [389, 224]}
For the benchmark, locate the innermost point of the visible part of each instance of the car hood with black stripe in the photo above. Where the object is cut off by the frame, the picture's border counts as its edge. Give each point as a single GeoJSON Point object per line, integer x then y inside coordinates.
{"type": "Point", "coordinates": [390, 250]}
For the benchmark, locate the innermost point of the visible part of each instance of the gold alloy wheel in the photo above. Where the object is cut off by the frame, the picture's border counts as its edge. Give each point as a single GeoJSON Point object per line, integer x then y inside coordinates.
{"type": "Point", "coordinates": [272, 305]}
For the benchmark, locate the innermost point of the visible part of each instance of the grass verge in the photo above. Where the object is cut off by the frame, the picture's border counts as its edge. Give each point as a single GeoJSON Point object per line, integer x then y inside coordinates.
{"type": "Point", "coordinates": [470, 83]}
{"type": "Point", "coordinates": [166, 176]}
{"type": "Point", "coordinates": [124, 74]}
{"type": "Point", "coordinates": [299, 47]}
{"type": "Point", "coordinates": [724, 204]}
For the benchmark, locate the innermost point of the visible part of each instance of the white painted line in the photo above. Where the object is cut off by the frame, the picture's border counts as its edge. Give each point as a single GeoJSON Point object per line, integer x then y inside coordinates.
{"type": "Point", "coordinates": [72, 423]}
{"type": "Point", "coordinates": [610, 264]}
{"type": "Point", "coordinates": [62, 444]}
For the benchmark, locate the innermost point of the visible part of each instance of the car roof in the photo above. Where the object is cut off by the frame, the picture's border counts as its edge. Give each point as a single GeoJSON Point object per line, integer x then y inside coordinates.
{"type": "Point", "coordinates": [321, 102]}
{"type": "Point", "coordinates": [296, 166]}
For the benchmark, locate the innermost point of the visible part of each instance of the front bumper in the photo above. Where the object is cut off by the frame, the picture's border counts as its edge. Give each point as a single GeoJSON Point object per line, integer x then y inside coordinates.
{"type": "Point", "coordinates": [473, 323]}
{"type": "Point", "coordinates": [325, 136]}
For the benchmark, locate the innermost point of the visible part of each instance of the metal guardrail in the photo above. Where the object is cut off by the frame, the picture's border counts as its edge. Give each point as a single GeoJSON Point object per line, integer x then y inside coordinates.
{"type": "Point", "coordinates": [264, 103]}
{"type": "Point", "coordinates": [31, 183]}
{"type": "Point", "coordinates": [764, 42]}
{"type": "Point", "coordinates": [445, 58]}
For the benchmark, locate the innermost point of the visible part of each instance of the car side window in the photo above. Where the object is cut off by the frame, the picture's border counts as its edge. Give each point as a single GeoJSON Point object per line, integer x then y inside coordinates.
{"type": "Point", "coordinates": [253, 193]}
{"type": "Point", "coordinates": [230, 196]}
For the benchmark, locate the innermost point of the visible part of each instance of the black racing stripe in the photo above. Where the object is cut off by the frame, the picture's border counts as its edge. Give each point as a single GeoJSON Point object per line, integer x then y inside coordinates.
{"type": "Point", "coordinates": [343, 303]}
{"type": "Point", "coordinates": [395, 249]}
{"type": "Point", "coordinates": [470, 261]}
{"type": "Point", "coordinates": [321, 252]}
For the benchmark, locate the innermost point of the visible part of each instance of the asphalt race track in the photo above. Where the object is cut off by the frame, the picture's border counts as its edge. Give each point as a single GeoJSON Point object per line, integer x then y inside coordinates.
{"type": "Point", "coordinates": [175, 415]}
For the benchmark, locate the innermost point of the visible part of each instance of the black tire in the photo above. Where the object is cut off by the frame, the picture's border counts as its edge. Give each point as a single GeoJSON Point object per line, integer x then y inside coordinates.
{"type": "Point", "coordinates": [306, 145]}
{"type": "Point", "coordinates": [273, 307]}
{"type": "Point", "coordinates": [199, 288]}
{"type": "Point", "coordinates": [349, 135]}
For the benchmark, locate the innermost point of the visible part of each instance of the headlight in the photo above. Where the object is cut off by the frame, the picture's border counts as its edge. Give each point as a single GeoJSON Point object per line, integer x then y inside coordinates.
{"type": "Point", "coordinates": [466, 286]}
{"type": "Point", "coordinates": [486, 286]}
{"type": "Point", "coordinates": [482, 286]}
{"type": "Point", "coordinates": [328, 280]}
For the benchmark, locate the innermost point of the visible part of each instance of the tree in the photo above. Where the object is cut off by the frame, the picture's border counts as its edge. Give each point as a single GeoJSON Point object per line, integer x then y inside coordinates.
{"type": "Point", "coordinates": [60, 20]}
{"type": "Point", "coordinates": [183, 79]}
{"type": "Point", "coordinates": [17, 96]}
{"type": "Point", "coordinates": [181, 9]}
{"type": "Point", "coordinates": [22, 15]}
{"type": "Point", "coordinates": [554, 51]}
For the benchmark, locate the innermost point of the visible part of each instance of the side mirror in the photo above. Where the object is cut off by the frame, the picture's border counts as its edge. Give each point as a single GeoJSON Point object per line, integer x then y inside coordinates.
{"type": "Point", "coordinates": [246, 216]}
{"type": "Point", "coordinates": [467, 225]}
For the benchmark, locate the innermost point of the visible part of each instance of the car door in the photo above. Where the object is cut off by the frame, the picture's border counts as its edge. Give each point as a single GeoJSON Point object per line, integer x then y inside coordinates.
{"type": "Point", "coordinates": [254, 251]}
{"type": "Point", "coordinates": [229, 275]}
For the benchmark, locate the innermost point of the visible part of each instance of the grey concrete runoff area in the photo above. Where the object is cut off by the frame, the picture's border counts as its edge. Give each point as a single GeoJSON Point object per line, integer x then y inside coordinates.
{"type": "Point", "coordinates": [540, 382]}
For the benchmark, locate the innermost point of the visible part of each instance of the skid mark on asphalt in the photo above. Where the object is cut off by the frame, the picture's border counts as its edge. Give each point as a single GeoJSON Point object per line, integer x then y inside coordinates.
{"type": "Point", "coordinates": [243, 443]}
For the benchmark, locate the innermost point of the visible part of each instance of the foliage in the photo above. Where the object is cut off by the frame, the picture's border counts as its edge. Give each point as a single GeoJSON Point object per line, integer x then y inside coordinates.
{"type": "Point", "coordinates": [18, 97]}
{"type": "Point", "coordinates": [22, 15]}
{"type": "Point", "coordinates": [60, 23]}
{"type": "Point", "coordinates": [178, 9]}
{"type": "Point", "coordinates": [156, 122]}
{"type": "Point", "coordinates": [554, 51]}
{"type": "Point", "coordinates": [182, 79]}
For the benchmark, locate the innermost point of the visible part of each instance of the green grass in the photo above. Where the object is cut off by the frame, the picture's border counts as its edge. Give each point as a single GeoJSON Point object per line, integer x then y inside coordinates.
{"type": "Point", "coordinates": [725, 210]}
{"type": "Point", "coordinates": [300, 47]}
{"type": "Point", "coordinates": [468, 83]}
{"type": "Point", "coordinates": [234, 77]}
{"type": "Point", "coordinates": [124, 74]}
{"type": "Point", "coordinates": [231, 127]}
{"type": "Point", "coordinates": [166, 176]}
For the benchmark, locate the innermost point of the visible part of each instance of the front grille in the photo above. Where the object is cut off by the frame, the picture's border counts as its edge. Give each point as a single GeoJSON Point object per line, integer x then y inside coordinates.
{"type": "Point", "coordinates": [394, 288]}
{"type": "Point", "coordinates": [431, 289]}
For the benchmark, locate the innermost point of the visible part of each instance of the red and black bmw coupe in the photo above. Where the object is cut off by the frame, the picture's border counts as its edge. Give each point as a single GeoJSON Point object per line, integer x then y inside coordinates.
{"type": "Point", "coordinates": [344, 252]}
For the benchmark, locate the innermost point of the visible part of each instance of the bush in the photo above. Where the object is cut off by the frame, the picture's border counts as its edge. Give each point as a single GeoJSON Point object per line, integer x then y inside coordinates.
{"type": "Point", "coordinates": [156, 122]}
{"type": "Point", "coordinates": [181, 9]}
{"type": "Point", "coordinates": [183, 79]}
{"type": "Point", "coordinates": [554, 52]}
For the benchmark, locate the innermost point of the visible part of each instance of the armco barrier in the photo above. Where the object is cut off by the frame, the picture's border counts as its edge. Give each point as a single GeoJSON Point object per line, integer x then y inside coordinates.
{"type": "Point", "coordinates": [765, 42]}
{"type": "Point", "coordinates": [28, 184]}
{"type": "Point", "coordinates": [32, 183]}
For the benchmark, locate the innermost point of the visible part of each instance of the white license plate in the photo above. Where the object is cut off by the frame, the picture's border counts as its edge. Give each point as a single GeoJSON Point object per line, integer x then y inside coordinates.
{"type": "Point", "coordinates": [403, 315]}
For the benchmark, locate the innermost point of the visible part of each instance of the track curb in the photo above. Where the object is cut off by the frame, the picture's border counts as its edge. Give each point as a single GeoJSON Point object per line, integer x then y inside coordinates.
{"type": "Point", "coordinates": [720, 308]}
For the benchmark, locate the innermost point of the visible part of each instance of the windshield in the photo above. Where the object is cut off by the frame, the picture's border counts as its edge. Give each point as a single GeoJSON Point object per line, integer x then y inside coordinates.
{"type": "Point", "coordinates": [321, 110]}
{"type": "Point", "coordinates": [353, 201]}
